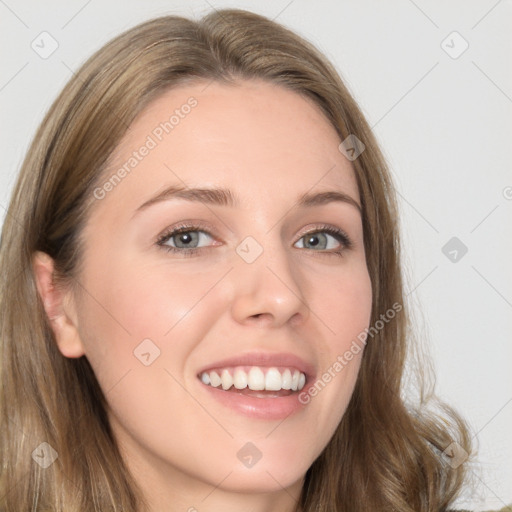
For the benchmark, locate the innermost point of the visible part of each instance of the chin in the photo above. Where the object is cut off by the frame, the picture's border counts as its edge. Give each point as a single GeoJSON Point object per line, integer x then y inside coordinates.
{"type": "Point", "coordinates": [267, 479]}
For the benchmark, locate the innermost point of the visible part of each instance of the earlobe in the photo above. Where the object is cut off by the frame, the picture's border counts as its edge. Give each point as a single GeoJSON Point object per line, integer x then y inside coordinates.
{"type": "Point", "coordinates": [60, 313]}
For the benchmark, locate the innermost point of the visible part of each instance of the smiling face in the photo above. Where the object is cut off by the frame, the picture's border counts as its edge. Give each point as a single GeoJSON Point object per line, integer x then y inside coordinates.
{"type": "Point", "coordinates": [269, 271]}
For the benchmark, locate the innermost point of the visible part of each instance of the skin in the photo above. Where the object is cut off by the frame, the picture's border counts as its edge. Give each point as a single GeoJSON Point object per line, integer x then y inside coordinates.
{"type": "Point", "coordinates": [269, 146]}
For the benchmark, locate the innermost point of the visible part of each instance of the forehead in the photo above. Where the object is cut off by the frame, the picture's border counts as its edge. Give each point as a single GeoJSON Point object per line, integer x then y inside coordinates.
{"type": "Point", "coordinates": [260, 139]}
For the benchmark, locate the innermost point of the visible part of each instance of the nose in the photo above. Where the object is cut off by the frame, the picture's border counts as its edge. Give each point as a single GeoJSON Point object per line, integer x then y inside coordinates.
{"type": "Point", "coordinates": [268, 291]}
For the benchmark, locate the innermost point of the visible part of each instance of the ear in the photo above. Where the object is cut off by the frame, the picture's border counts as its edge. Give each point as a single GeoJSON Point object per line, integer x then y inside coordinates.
{"type": "Point", "coordinates": [59, 306]}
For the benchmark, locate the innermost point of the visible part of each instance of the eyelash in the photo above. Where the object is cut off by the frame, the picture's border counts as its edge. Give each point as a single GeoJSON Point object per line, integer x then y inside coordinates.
{"type": "Point", "coordinates": [337, 233]}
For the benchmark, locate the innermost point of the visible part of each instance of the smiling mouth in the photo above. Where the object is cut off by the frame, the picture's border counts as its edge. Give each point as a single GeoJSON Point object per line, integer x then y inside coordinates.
{"type": "Point", "coordinates": [255, 381]}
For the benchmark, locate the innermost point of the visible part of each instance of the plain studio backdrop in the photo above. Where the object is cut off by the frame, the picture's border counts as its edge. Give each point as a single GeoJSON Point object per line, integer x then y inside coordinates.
{"type": "Point", "coordinates": [434, 81]}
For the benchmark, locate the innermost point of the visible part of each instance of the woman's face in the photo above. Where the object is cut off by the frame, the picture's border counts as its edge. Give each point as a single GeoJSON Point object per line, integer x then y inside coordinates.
{"type": "Point", "coordinates": [257, 286]}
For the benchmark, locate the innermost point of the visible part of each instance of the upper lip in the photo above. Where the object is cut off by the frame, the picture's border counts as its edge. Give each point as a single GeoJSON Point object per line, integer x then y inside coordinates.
{"type": "Point", "coordinates": [267, 359]}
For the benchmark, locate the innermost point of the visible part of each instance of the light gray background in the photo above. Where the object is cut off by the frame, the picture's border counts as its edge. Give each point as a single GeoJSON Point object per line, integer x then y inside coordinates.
{"type": "Point", "coordinates": [444, 124]}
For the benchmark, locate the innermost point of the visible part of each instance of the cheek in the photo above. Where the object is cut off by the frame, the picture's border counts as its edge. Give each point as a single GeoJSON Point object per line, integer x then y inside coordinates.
{"type": "Point", "coordinates": [345, 310]}
{"type": "Point", "coordinates": [344, 304]}
{"type": "Point", "coordinates": [134, 309]}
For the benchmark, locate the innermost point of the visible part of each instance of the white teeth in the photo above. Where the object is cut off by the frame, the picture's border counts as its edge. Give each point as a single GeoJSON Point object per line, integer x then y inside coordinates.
{"type": "Point", "coordinates": [239, 379]}
{"type": "Point", "coordinates": [227, 380]}
{"type": "Point", "coordinates": [215, 379]}
{"type": "Point", "coordinates": [295, 380]}
{"type": "Point", "coordinates": [255, 379]}
{"type": "Point", "coordinates": [287, 379]}
{"type": "Point", "coordinates": [273, 380]}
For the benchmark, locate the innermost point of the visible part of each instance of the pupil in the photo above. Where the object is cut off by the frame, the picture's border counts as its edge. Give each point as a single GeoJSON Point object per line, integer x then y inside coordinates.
{"type": "Point", "coordinates": [313, 240]}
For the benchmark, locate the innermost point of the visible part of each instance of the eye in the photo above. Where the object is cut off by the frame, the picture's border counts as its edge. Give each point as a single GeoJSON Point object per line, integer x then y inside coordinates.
{"type": "Point", "coordinates": [185, 239]}
{"type": "Point", "coordinates": [326, 239]}
{"type": "Point", "coordinates": [189, 240]}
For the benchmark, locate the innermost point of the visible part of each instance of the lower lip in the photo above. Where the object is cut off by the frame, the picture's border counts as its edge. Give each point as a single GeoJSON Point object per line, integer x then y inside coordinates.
{"type": "Point", "coordinates": [260, 408]}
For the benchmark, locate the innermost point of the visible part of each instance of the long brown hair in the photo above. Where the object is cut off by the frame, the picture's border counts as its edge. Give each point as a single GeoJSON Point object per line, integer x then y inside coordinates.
{"type": "Point", "coordinates": [385, 454]}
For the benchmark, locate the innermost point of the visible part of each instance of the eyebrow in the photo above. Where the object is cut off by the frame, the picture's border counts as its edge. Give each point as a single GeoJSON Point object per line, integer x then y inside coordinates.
{"type": "Point", "coordinates": [225, 197]}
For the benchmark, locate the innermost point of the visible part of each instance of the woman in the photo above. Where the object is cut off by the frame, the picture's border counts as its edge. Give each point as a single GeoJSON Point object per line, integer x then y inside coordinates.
{"type": "Point", "coordinates": [203, 301]}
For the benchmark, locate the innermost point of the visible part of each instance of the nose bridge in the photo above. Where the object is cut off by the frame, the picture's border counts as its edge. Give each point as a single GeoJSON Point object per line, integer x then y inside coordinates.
{"type": "Point", "coordinates": [265, 283]}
